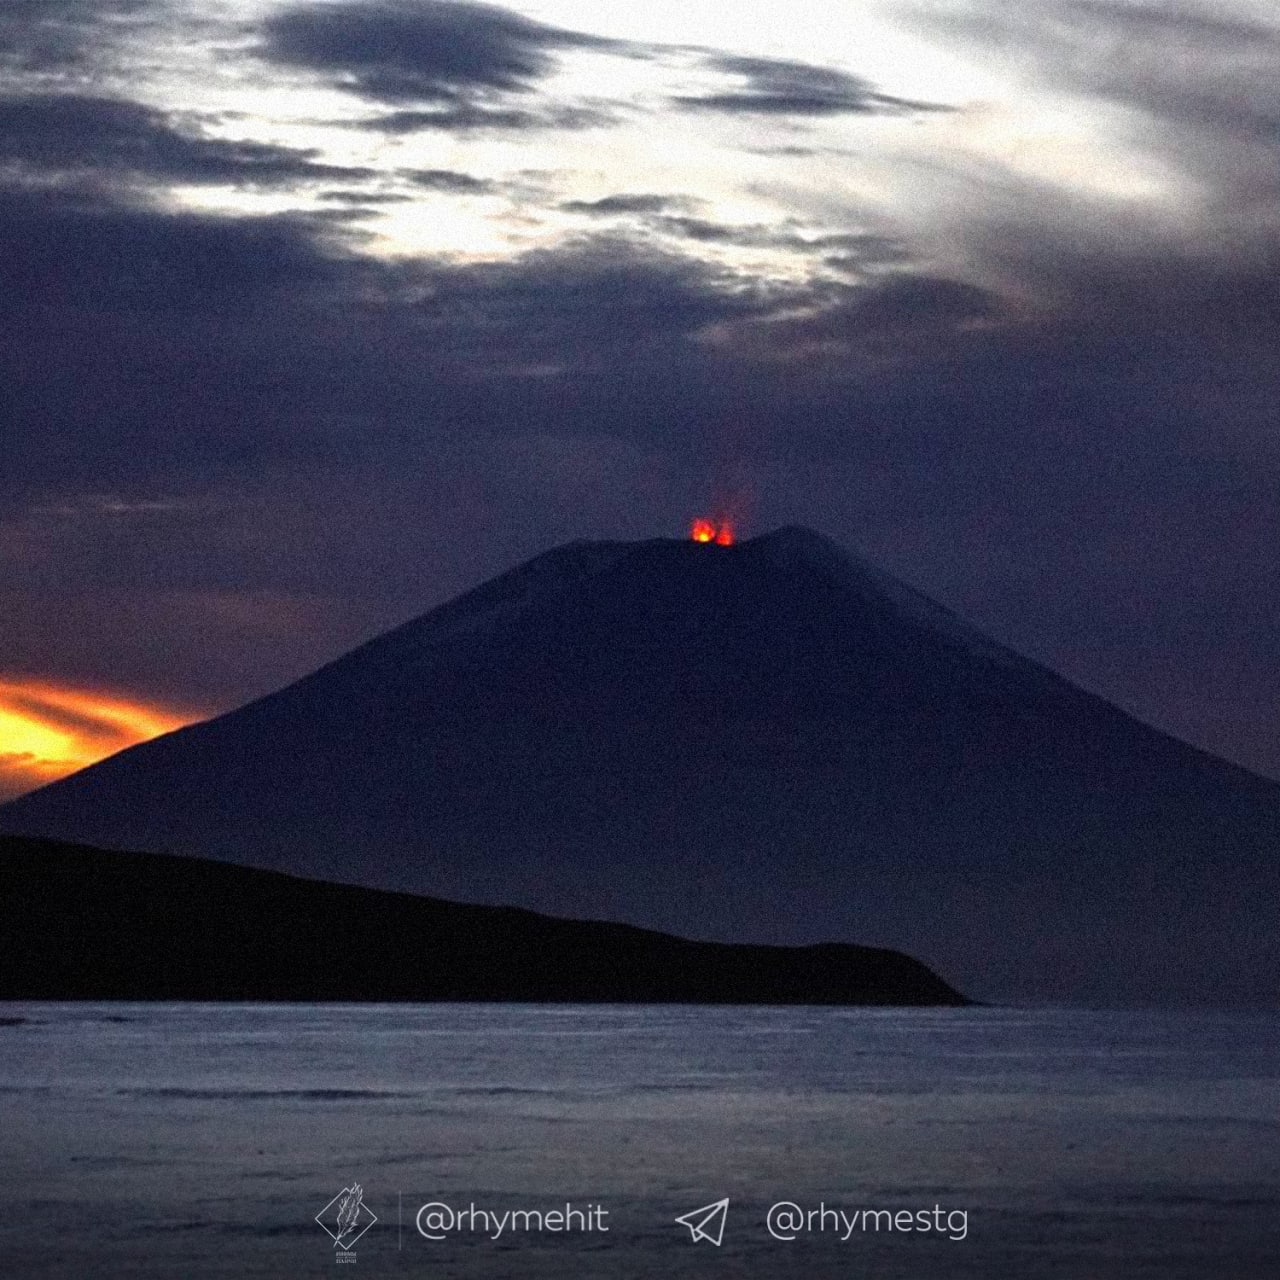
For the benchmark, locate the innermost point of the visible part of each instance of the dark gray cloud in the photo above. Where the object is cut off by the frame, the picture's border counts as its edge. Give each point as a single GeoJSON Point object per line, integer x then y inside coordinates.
{"type": "Point", "coordinates": [365, 199]}
{"type": "Point", "coordinates": [740, 235]}
{"type": "Point", "coordinates": [584, 309]}
{"type": "Point", "coordinates": [400, 52]}
{"type": "Point", "coordinates": [147, 347]}
{"type": "Point", "coordinates": [854, 338]}
{"type": "Point", "coordinates": [54, 37]}
{"type": "Point", "coordinates": [80, 251]}
{"type": "Point", "coordinates": [451, 181]}
{"type": "Point", "coordinates": [844, 251]}
{"type": "Point", "coordinates": [907, 303]}
{"type": "Point", "coordinates": [775, 86]}
{"type": "Point", "coordinates": [69, 134]}
{"type": "Point", "coordinates": [449, 65]}
{"type": "Point", "coordinates": [624, 203]}
{"type": "Point", "coordinates": [472, 117]}
{"type": "Point", "coordinates": [139, 343]}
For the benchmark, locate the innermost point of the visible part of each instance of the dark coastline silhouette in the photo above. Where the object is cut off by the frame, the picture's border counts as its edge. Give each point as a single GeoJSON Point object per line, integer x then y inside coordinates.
{"type": "Point", "coordinates": [90, 924]}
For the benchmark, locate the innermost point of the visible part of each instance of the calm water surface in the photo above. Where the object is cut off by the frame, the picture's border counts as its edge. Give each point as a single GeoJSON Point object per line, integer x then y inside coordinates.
{"type": "Point", "coordinates": [198, 1140]}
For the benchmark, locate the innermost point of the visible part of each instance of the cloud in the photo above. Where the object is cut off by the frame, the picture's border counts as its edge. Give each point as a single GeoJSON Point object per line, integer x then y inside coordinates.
{"type": "Point", "coordinates": [397, 52]}
{"type": "Point", "coordinates": [1175, 60]}
{"type": "Point", "coordinates": [68, 134]}
{"type": "Point", "coordinates": [861, 335]}
{"type": "Point", "coordinates": [365, 200]}
{"type": "Point", "coordinates": [450, 181]}
{"type": "Point", "coordinates": [604, 310]}
{"type": "Point", "coordinates": [844, 248]}
{"type": "Point", "coordinates": [60, 37]}
{"type": "Point", "coordinates": [448, 65]}
{"type": "Point", "coordinates": [77, 250]}
{"type": "Point", "coordinates": [609, 206]}
{"type": "Point", "coordinates": [776, 86]}
{"type": "Point", "coordinates": [472, 117]}
{"type": "Point", "coordinates": [1205, 82]}
{"type": "Point", "coordinates": [849, 252]}
{"type": "Point", "coordinates": [149, 349]}
{"type": "Point", "coordinates": [746, 236]}
{"type": "Point", "coordinates": [144, 344]}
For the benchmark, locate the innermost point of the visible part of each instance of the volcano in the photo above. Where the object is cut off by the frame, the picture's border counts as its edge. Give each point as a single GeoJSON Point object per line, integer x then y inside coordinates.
{"type": "Point", "coordinates": [765, 742]}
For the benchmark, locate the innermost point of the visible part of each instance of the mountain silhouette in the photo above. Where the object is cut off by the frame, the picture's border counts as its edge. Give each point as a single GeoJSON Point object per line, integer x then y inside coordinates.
{"type": "Point", "coordinates": [149, 926]}
{"type": "Point", "coordinates": [771, 742]}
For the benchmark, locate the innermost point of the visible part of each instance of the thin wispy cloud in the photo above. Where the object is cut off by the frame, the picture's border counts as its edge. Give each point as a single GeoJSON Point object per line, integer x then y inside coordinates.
{"type": "Point", "coordinates": [774, 86]}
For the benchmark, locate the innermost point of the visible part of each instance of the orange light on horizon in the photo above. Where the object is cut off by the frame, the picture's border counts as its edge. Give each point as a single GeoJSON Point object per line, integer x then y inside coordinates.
{"type": "Point", "coordinates": [49, 730]}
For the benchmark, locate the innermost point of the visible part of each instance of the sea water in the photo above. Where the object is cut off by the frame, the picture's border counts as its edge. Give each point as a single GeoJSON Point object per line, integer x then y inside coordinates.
{"type": "Point", "coordinates": [183, 1140]}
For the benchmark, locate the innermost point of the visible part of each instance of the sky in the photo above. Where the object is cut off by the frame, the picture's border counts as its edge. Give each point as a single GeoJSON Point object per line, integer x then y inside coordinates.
{"type": "Point", "coordinates": [315, 314]}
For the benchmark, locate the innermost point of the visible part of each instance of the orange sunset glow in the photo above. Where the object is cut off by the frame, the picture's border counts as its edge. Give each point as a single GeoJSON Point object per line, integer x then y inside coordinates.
{"type": "Point", "coordinates": [49, 730]}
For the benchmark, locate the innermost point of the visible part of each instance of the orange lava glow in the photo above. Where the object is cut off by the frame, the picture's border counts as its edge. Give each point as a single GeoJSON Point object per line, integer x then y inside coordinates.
{"type": "Point", "coordinates": [718, 531]}
{"type": "Point", "coordinates": [49, 730]}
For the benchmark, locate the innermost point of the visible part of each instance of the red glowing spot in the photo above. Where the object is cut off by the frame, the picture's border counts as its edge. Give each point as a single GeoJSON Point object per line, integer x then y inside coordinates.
{"type": "Point", "coordinates": [719, 532]}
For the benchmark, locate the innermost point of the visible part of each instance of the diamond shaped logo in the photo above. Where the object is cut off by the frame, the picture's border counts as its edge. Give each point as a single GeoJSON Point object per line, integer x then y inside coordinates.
{"type": "Point", "coordinates": [346, 1217]}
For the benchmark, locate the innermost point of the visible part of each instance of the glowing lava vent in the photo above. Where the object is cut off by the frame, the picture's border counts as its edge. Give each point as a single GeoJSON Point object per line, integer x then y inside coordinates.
{"type": "Point", "coordinates": [720, 532]}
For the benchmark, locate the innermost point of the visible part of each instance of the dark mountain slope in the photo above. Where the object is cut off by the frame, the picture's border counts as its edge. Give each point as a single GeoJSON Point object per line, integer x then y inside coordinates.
{"type": "Point", "coordinates": [770, 742]}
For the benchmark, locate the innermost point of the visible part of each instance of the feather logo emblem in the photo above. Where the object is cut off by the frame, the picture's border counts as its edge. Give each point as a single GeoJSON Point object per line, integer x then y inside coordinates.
{"type": "Point", "coordinates": [346, 1217]}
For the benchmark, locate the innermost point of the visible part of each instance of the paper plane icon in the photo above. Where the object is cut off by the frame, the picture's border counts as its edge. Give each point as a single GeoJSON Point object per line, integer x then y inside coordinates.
{"type": "Point", "coordinates": [708, 1222]}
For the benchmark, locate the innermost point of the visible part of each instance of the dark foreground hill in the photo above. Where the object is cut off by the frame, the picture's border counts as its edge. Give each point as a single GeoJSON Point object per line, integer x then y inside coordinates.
{"type": "Point", "coordinates": [87, 924]}
{"type": "Point", "coordinates": [771, 742]}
